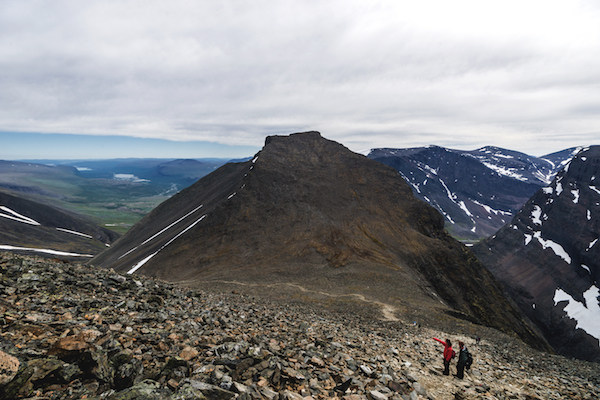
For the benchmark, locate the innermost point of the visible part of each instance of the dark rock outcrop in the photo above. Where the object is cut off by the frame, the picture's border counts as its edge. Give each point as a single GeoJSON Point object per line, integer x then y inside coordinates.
{"type": "Point", "coordinates": [308, 213]}
{"type": "Point", "coordinates": [548, 257]}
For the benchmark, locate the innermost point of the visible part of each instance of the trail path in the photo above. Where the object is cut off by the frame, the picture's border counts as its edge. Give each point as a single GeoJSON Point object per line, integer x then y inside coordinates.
{"type": "Point", "coordinates": [387, 310]}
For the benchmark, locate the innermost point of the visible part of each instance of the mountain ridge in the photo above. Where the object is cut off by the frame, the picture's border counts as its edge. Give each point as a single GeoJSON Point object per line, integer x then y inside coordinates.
{"type": "Point", "coordinates": [306, 210]}
{"type": "Point", "coordinates": [477, 191]}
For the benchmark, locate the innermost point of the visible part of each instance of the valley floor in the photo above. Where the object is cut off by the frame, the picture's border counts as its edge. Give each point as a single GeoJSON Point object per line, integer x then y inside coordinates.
{"type": "Point", "coordinates": [69, 331]}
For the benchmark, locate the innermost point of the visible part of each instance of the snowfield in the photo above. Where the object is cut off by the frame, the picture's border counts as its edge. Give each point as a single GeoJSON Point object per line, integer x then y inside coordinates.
{"type": "Point", "coordinates": [587, 315]}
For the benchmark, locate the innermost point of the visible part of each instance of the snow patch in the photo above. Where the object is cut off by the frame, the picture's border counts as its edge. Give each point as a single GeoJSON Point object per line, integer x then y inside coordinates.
{"type": "Point", "coordinates": [587, 315]}
{"type": "Point", "coordinates": [557, 248]}
{"type": "Point", "coordinates": [163, 230]}
{"type": "Point", "coordinates": [139, 264]}
{"type": "Point", "coordinates": [416, 187]}
{"type": "Point", "coordinates": [45, 251]}
{"type": "Point", "coordinates": [527, 239]}
{"type": "Point", "coordinates": [510, 172]}
{"type": "Point", "coordinates": [463, 206]}
{"type": "Point", "coordinates": [595, 189]}
{"type": "Point", "coordinates": [559, 188]}
{"type": "Point", "coordinates": [586, 268]}
{"type": "Point", "coordinates": [536, 214]}
{"type": "Point", "coordinates": [548, 190]}
{"type": "Point", "coordinates": [575, 194]}
{"type": "Point", "coordinates": [592, 243]}
{"type": "Point", "coordinates": [589, 215]}
{"type": "Point", "coordinates": [490, 210]}
{"type": "Point", "coordinates": [503, 155]}
{"type": "Point", "coordinates": [74, 232]}
{"type": "Point", "coordinates": [451, 195]}
{"type": "Point", "coordinates": [145, 260]}
{"type": "Point", "coordinates": [17, 217]}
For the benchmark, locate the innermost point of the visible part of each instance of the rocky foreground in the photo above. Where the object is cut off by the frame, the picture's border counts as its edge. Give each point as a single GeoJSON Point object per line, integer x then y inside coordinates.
{"type": "Point", "coordinates": [71, 332]}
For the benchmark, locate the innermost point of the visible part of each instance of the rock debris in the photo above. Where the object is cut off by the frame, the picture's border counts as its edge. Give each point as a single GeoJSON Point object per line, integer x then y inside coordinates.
{"type": "Point", "coordinates": [75, 332]}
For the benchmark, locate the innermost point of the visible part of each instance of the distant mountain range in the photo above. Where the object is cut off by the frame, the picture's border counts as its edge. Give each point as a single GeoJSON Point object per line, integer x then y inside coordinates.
{"type": "Point", "coordinates": [477, 191]}
{"type": "Point", "coordinates": [548, 257]}
{"type": "Point", "coordinates": [114, 192]}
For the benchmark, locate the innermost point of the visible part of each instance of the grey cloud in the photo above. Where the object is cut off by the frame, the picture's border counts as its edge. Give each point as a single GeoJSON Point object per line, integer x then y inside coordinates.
{"type": "Point", "coordinates": [363, 73]}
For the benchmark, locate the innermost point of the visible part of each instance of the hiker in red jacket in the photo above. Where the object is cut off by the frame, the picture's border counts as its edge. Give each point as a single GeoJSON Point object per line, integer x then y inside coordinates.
{"type": "Point", "coordinates": [449, 354]}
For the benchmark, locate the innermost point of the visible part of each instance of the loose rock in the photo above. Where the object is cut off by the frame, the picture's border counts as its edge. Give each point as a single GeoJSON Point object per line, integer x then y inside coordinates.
{"type": "Point", "coordinates": [69, 331]}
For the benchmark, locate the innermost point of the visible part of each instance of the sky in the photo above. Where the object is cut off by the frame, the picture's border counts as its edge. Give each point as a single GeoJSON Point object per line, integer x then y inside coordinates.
{"type": "Point", "coordinates": [214, 78]}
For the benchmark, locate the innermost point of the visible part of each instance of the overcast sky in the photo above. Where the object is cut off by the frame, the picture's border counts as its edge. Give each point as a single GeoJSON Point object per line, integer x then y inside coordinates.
{"type": "Point", "coordinates": [523, 75]}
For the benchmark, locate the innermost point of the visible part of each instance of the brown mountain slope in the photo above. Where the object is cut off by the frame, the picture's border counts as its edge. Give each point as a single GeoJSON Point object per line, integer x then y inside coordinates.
{"type": "Point", "coordinates": [309, 212]}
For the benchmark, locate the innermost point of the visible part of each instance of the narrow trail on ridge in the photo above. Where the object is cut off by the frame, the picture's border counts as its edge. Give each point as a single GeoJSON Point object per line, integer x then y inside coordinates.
{"type": "Point", "coordinates": [387, 310]}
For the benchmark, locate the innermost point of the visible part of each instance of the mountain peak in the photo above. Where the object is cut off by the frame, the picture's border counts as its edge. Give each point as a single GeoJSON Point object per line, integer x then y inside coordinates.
{"type": "Point", "coordinates": [295, 137]}
{"type": "Point", "coordinates": [307, 213]}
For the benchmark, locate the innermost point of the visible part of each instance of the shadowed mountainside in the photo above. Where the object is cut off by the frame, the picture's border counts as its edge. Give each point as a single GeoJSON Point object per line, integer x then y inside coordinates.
{"type": "Point", "coordinates": [39, 227]}
{"type": "Point", "coordinates": [308, 211]}
{"type": "Point", "coordinates": [548, 258]}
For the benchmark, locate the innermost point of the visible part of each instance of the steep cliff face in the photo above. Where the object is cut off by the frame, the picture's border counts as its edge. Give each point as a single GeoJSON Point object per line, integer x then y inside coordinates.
{"type": "Point", "coordinates": [548, 257]}
{"type": "Point", "coordinates": [308, 212]}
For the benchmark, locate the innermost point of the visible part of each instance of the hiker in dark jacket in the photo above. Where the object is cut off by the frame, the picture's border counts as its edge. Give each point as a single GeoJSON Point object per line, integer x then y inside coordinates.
{"type": "Point", "coordinates": [449, 354]}
{"type": "Point", "coordinates": [463, 356]}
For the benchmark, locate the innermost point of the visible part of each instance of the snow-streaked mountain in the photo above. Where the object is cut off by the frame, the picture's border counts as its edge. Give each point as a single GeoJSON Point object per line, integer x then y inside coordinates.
{"type": "Point", "coordinates": [548, 257]}
{"type": "Point", "coordinates": [30, 227]}
{"type": "Point", "coordinates": [477, 191]}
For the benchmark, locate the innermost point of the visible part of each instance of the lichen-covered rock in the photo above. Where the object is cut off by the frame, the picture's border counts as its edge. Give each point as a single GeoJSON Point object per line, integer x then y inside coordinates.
{"type": "Point", "coordinates": [9, 366]}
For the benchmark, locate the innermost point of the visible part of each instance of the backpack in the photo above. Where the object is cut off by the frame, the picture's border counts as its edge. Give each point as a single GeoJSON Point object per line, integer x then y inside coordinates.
{"type": "Point", "coordinates": [469, 361]}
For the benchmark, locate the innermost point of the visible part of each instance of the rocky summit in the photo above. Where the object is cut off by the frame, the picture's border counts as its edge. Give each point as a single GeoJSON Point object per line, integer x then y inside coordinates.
{"type": "Point", "coordinates": [69, 331]}
{"type": "Point", "coordinates": [548, 257]}
{"type": "Point", "coordinates": [307, 219]}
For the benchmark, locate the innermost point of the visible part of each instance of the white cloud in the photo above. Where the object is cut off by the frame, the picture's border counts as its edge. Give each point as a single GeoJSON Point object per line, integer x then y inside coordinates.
{"type": "Point", "coordinates": [463, 74]}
